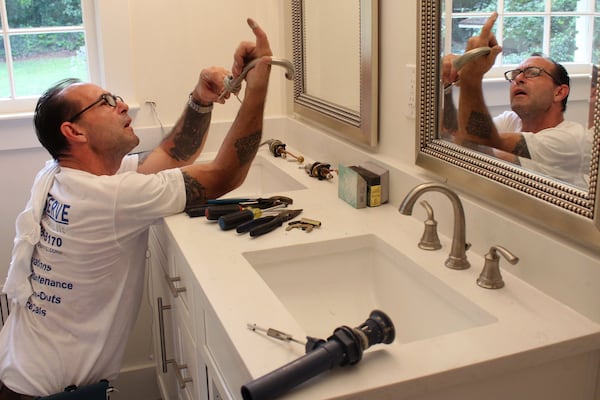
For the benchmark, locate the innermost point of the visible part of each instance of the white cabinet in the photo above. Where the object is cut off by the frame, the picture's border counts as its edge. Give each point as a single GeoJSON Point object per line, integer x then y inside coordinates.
{"type": "Point", "coordinates": [178, 327]}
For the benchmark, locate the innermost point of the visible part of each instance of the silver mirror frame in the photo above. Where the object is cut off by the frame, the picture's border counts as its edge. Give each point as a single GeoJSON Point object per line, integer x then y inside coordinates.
{"type": "Point", "coordinates": [358, 126]}
{"type": "Point", "coordinates": [560, 209]}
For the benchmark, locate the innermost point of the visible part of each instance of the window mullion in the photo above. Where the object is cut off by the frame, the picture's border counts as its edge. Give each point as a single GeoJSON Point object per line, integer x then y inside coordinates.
{"type": "Point", "coordinates": [547, 27]}
{"type": "Point", "coordinates": [7, 50]}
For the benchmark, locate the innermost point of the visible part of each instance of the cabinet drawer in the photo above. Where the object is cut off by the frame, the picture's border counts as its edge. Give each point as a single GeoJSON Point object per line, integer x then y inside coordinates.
{"type": "Point", "coordinates": [217, 389]}
{"type": "Point", "coordinates": [192, 379]}
{"type": "Point", "coordinates": [222, 351]}
{"type": "Point", "coordinates": [157, 251]}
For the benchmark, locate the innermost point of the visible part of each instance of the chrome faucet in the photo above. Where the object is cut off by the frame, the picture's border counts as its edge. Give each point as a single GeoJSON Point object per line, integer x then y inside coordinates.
{"type": "Point", "coordinates": [234, 85]}
{"type": "Point", "coordinates": [458, 252]}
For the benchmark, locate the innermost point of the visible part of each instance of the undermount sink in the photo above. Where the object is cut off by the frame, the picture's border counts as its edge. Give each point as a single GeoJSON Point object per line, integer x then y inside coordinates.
{"type": "Point", "coordinates": [338, 282]}
{"type": "Point", "coordinates": [263, 177]}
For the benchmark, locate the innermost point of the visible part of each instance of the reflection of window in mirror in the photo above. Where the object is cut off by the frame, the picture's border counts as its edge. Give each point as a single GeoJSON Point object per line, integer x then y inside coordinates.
{"type": "Point", "coordinates": [559, 29]}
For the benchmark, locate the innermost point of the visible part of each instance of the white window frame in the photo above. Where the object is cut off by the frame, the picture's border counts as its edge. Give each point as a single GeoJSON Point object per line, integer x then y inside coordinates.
{"type": "Point", "coordinates": [19, 107]}
{"type": "Point", "coordinates": [584, 35]}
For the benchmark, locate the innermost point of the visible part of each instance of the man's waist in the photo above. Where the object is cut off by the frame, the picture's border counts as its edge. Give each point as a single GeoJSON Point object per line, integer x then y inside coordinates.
{"type": "Point", "coordinates": [7, 394]}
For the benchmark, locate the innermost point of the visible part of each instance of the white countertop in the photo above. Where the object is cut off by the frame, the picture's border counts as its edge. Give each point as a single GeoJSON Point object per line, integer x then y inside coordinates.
{"type": "Point", "coordinates": [531, 328]}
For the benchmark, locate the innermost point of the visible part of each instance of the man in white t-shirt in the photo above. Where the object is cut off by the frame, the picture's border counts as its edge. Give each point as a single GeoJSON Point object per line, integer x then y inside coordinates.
{"type": "Point", "coordinates": [82, 286]}
{"type": "Point", "coordinates": [534, 134]}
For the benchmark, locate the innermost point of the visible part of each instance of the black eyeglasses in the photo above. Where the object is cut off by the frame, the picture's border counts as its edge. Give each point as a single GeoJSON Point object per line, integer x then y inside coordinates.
{"type": "Point", "coordinates": [529, 72]}
{"type": "Point", "coordinates": [109, 98]}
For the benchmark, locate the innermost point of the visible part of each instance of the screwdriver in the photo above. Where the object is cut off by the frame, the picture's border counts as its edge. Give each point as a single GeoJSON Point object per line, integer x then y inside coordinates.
{"type": "Point", "coordinates": [212, 213]}
{"type": "Point", "coordinates": [232, 220]}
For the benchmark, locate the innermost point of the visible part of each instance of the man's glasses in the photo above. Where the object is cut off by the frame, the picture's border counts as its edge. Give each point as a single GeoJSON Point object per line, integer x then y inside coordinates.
{"type": "Point", "coordinates": [108, 98]}
{"type": "Point", "coordinates": [529, 72]}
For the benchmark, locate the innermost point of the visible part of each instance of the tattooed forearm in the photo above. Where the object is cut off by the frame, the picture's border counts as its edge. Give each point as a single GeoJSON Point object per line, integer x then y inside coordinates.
{"type": "Point", "coordinates": [195, 193]}
{"type": "Point", "coordinates": [189, 134]}
{"type": "Point", "coordinates": [480, 125]}
{"type": "Point", "coordinates": [450, 114]}
{"type": "Point", "coordinates": [246, 147]}
{"type": "Point", "coordinates": [521, 148]}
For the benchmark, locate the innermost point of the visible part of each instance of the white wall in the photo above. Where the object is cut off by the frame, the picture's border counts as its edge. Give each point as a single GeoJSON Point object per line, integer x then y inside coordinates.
{"type": "Point", "coordinates": [155, 49]}
{"type": "Point", "coordinates": [151, 50]}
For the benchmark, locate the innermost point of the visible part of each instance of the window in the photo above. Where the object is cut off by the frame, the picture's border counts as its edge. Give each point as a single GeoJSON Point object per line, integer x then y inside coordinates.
{"type": "Point", "coordinates": [42, 43]}
{"type": "Point", "coordinates": [566, 30]}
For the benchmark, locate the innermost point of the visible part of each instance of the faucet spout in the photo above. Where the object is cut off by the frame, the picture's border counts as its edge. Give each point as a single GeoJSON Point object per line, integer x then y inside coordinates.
{"type": "Point", "coordinates": [458, 252]}
{"type": "Point", "coordinates": [234, 85]}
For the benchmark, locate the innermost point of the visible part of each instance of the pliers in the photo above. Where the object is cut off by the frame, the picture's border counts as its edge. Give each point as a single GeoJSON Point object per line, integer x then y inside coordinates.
{"type": "Point", "coordinates": [263, 225]}
{"type": "Point", "coordinates": [213, 209]}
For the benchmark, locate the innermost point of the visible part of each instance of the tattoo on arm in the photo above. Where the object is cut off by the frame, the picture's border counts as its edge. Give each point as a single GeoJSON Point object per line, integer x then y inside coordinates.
{"type": "Point", "coordinates": [188, 135]}
{"type": "Point", "coordinates": [195, 193]}
{"type": "Point", "coordinates": [480, 125]}
{"type": "Point", "coordinates": [246, 147]}
{"type": "Point", "coordinates": [521, 148]}
{"type": "Point", "coordinates": [450, 114]}
{"type": "Point", "coordinates": [142, 157]}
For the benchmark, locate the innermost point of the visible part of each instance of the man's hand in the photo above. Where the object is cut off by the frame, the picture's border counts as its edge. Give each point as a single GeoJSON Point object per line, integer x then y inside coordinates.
{"type": "Point", "coordinates": [480, 65]}
{"type": "Point", "coordinates": [210, 86]}
{"type": "Point", "coordinates": [248, 51]}
{"type": "Point", "coordinates": [449, 73]}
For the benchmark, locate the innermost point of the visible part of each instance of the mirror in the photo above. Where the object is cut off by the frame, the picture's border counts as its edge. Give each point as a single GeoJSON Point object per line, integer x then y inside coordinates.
{"type": "Point", "coordinates": [563, 209]}
{"type": "Point", "coordinates": [337, 86]}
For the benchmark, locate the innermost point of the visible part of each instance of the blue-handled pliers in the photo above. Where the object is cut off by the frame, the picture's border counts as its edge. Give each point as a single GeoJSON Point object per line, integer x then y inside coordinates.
{"type": "Point", "coordinates": [263, 225]}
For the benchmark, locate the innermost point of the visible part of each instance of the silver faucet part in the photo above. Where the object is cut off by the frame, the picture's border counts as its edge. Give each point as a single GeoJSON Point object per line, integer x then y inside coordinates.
{"type": "Point", "coordinates": [234, 85]}
{"type": "Point", "coordinates": [458, 251]}
{"type": "Point", "coordinates": [490, 277]}
{"type": "Point", "coordinates": [274, 333]}
{"type": "Point", "coordinates": [430, 239]}
{"type": "Point", "coordinates": [470, 55]}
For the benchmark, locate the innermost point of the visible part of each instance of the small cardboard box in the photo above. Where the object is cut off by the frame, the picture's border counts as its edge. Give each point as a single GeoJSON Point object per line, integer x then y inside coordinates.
{"type": "Point", "coordinates": [384, 178]}
{"type": "Point", "coordinates": [352, 188]}
{"type": "Point", "coordinates": [373, 185]}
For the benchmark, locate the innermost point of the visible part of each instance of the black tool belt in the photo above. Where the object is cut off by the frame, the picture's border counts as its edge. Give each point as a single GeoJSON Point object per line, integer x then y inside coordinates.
{"type": "Point", "coordinates": [96, 391]}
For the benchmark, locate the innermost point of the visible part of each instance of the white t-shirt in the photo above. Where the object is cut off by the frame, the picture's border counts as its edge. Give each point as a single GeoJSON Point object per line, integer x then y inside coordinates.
{"type": "Point", "coordinates": [563, 152]}
{"type": "Point", "coordinates": [87, 276]}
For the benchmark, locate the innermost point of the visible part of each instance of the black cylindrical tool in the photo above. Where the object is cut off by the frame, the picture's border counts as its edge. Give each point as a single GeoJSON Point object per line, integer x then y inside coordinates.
{"type": "Point", "coordinates": [235, 219]}
{"type": "Point", "coordinates": [232, 220]}
{"type": "Point", "coordinates": [344, 347]}
{"type": "Point", "coordinates": [213, 213]}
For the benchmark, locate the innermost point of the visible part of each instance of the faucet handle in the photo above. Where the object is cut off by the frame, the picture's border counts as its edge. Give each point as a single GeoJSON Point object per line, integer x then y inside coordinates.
{"type": "Point", "coordinates": [490, 277]}
{"type": "Point", "coordinates": [430, 239]}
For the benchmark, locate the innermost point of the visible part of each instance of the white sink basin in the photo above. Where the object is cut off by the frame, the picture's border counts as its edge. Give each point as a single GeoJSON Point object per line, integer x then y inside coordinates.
{"type": "Point", "coordinates": [338, 282]}
{"type": "Point", "coordinates": [264, 177]}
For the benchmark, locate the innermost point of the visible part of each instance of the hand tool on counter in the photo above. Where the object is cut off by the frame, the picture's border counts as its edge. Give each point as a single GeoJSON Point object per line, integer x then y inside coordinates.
{"type": "Point", "coordinates": [274, 333]}
{"type": "Point", "coordinates": [266, 224]}
{"type": "Point", "coordinates": [306, 224]}
{"type": "Point", "coordinates": [233, 220]}
{"type": "Point", "coordinates": [200, 211]}
{"type": "Point", "coordinates": [344, 347]}
{"type": "Point", "coordinates": [320, 170]}
{"type": "Point", "coordinates": [213, 212]}
{"type": "Point", "coordinates": [277, 148]}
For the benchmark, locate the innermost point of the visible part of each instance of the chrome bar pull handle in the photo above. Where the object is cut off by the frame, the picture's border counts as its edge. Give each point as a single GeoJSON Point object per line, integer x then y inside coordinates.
{"type": "Point", "coordinates": [161, 328]}
{"type": "Point", "coordinates": [174, 289]}
{"type": "Point", "coordinates": [180, 378]}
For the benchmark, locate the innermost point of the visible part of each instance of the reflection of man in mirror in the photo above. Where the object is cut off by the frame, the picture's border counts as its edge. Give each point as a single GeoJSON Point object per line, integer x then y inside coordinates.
{"type": "Point", "coordinates": [534, 133]}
